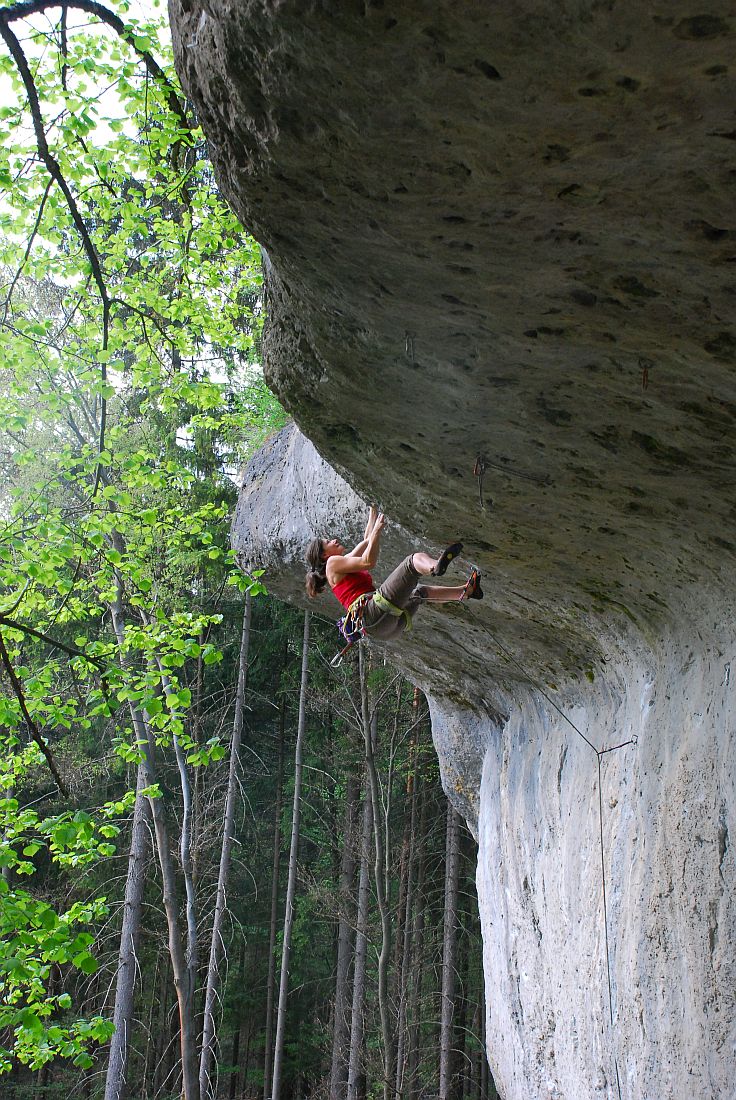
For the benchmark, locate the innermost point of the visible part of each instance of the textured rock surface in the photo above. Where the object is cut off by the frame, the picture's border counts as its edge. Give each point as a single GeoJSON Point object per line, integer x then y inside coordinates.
{"type": "Point", "coordinates": [508, 230]}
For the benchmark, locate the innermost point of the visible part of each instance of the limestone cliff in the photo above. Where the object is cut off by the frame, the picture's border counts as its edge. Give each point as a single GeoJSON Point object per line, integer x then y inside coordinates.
{"type": "Point", "coordinates": [499, 239]}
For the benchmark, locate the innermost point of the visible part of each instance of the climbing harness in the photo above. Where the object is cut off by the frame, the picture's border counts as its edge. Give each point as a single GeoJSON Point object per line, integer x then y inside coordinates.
{"type": "Point", "coordinates": [351, 627]}
{"type": "Point", "coordinates": [600, 753]}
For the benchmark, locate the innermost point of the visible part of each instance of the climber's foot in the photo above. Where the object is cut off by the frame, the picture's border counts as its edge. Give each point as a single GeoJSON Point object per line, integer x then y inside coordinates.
{"type": "Point", "coordinates": [473, 590]}
{"type": "Point", "coordinates": [447, 556]}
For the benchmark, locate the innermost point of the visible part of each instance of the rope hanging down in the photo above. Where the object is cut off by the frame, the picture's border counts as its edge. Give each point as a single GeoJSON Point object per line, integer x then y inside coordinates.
{"type": "Point", "coordinates": [599, 753]}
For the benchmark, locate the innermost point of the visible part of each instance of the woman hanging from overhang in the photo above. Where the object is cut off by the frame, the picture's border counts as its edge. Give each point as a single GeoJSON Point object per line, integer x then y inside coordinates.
{"type": "Point", "coordinates": [387, 611]}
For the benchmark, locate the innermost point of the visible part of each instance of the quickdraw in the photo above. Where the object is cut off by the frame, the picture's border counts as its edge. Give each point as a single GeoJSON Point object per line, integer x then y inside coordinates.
{"type": "Point", "coordinates": [351, 627]}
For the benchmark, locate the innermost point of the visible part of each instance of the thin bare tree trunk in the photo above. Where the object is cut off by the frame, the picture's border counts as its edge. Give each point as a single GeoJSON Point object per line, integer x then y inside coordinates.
{"type": "Point", "coordinates": [449, 951]}
{"type": "Point", "coordinates": [187, 866]}
{"type": "Point", "coordinates": [341, 1028]}
{"type": "Point", "coordinates": [122, 1017]}
{"type": "Point", "coordinates": [475, 1056]}
{"type": "Point", "coordinates": [418, 926]}
{"type": "Point", "coordinates": [163, 1029]}
{"type": "Point", "coordinates": [43, 1078]}
{"type": "Point", "coordinates": [182, 982]}
{"type": "Point", "coordinates": [190, 1080]}
{"type": "Point", "coordinates": [235, 1061]}
{"type": "Point", "coordinates": [379, 875]}
{"type": "Point", "coordinates": [278, 1055]}
{"type": "Point", "coordinates": [185, 854]}
{"type": "Point", "coordinates": [209, 1028]}
{"type": "Point", "coordinates": [361, 951]}
{"type": "Point", "coordinates": [275, 870]}
{"type": "Point", "coordinates": [458, 1056]}
{"type": "Point", "coordinates": [153, 1002]}
{"type": "Point", "coordinates": [408, 869]}
{"type": "Point", "coordinates": [235, 1048]}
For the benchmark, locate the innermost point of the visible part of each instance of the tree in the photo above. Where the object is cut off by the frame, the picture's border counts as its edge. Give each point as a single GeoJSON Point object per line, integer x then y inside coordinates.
{"type": "Point", "coordinates": [228, 835]}
{"type": "Point", "coordinates": [291, 883]}
{"type": "Point", "coordinates": [108, 321]}
{"type": "Point", "coordinates": [272, 924]}
{"type": "Point", "coordinates": [341, 1021]}
{"type": "Point", "coordinates": [125, 976]}
{"type": "Point", "coordinates": [449, 952]}
{"type": "Point", "coordinates": [357, 1022]}
{"type": "Point", "coordinates": [380, 868]}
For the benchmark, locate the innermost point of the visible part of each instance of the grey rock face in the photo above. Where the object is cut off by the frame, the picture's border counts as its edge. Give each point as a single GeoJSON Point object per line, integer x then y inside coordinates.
{"type": "Point", "coordinates": [506, 232]}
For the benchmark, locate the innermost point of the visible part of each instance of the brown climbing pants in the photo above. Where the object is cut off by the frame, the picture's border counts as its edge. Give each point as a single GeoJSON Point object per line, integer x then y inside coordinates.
{"type": "Point", "coordinates": [401, 589]}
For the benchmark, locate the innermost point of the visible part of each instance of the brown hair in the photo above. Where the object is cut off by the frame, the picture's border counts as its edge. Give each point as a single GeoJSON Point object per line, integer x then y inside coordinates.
{"type": "Point", "coordinates": [316, 568]}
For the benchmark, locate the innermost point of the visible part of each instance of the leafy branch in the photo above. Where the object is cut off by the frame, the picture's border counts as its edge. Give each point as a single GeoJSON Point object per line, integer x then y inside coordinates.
{"type": "Point", "coordinates": [71, 651]}
{"type": "Point", "coordinates": [24, 10]}
{"type": "Point", "coordinates": [52, 167]}
{"type": "Point", "coordinates": [32, 727]}
{"type": "Point", "coordinates": [36, 7]}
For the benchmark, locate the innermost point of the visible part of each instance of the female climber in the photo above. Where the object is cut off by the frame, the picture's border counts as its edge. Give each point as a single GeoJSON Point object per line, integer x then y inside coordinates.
{"type": "Point", "coordinates": [387, 611]}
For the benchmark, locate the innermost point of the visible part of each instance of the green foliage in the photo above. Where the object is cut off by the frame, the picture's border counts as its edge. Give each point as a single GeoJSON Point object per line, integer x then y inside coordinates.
{"type": "Point", "coordinates": [35, 938]}
{"type": "Point", "coordinates": [130, 321]}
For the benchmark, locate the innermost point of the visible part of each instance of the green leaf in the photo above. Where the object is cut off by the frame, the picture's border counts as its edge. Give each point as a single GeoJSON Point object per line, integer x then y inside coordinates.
{"type": "Point", "coordinates": [85, 962]}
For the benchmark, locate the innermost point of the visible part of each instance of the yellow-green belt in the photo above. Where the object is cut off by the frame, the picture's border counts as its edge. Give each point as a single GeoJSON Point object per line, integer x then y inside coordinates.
{"type": "Point", "coordinates": [385, 605]}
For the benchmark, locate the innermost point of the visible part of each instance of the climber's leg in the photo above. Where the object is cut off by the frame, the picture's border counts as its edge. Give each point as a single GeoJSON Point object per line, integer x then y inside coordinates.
{"type": "Point", "coordinates": [436, 593]}
{"type": "Point", "coordinates": [427, 566]}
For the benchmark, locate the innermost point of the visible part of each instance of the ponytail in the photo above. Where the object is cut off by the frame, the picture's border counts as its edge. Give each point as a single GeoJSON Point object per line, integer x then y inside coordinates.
{"type": "Point", "coordinates": [317, 568]}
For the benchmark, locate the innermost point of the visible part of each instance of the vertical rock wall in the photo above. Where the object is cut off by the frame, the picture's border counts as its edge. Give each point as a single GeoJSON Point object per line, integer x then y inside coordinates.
{"type": "Point", "coordinates": [667, 1030]}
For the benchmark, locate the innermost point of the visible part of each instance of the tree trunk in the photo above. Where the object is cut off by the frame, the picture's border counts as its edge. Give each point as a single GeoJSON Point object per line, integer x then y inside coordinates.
{"type": "Point", "coordinates": [379, 875]}
{"type": "Point", "coordinates": [449, 950]}
{"type": "Point", "coordinates": [182, 983]}
{"type": "Point", "coordinates": [235, 1061]}
{"type": "Point", "coordinates": [190, 1080]}
{"type": "Point", "coordinates": [408, 861]}
{"type": "Point", "coordinates": [163, 1029]}
{"type": "Point", "coordinates": [361, 952]}
{"type": "Point", "coordinates": [459, 1075]}
{"type": "Point", "coordinates": [209, 1028]}
{"type": "Point", "coordinates": [278, 1055]}
{"type": "Point", "coordinates": [191, 954]}
{"type": "Point", "coordinates": [275, 870]}
{"type": "Point", "coordinates": [341, 1028]}
{"type": "Point", "coordinates": [122, 1017]}
{"type": "Point", "coordinates": [235, 1047]}
{"type": "Point", "coordinates": [414, 1003]}
{"type": "Point", "coordinates": [150, 1032]}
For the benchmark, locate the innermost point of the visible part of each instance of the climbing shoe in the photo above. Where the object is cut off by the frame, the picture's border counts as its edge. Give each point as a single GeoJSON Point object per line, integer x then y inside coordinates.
{"type": "Point", "coordinates": [447, 556]}
{"type": "Point", "coordinates": [473, 590]}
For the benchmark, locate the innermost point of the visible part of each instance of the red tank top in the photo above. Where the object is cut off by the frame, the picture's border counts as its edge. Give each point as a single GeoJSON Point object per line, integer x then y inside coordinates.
{"type": "Point", "coordinates": [352, 585]}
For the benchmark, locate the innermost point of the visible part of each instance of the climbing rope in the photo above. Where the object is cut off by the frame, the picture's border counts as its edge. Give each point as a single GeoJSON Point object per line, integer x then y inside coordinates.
{"type": "Point", "coordinates": [600, 753]}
